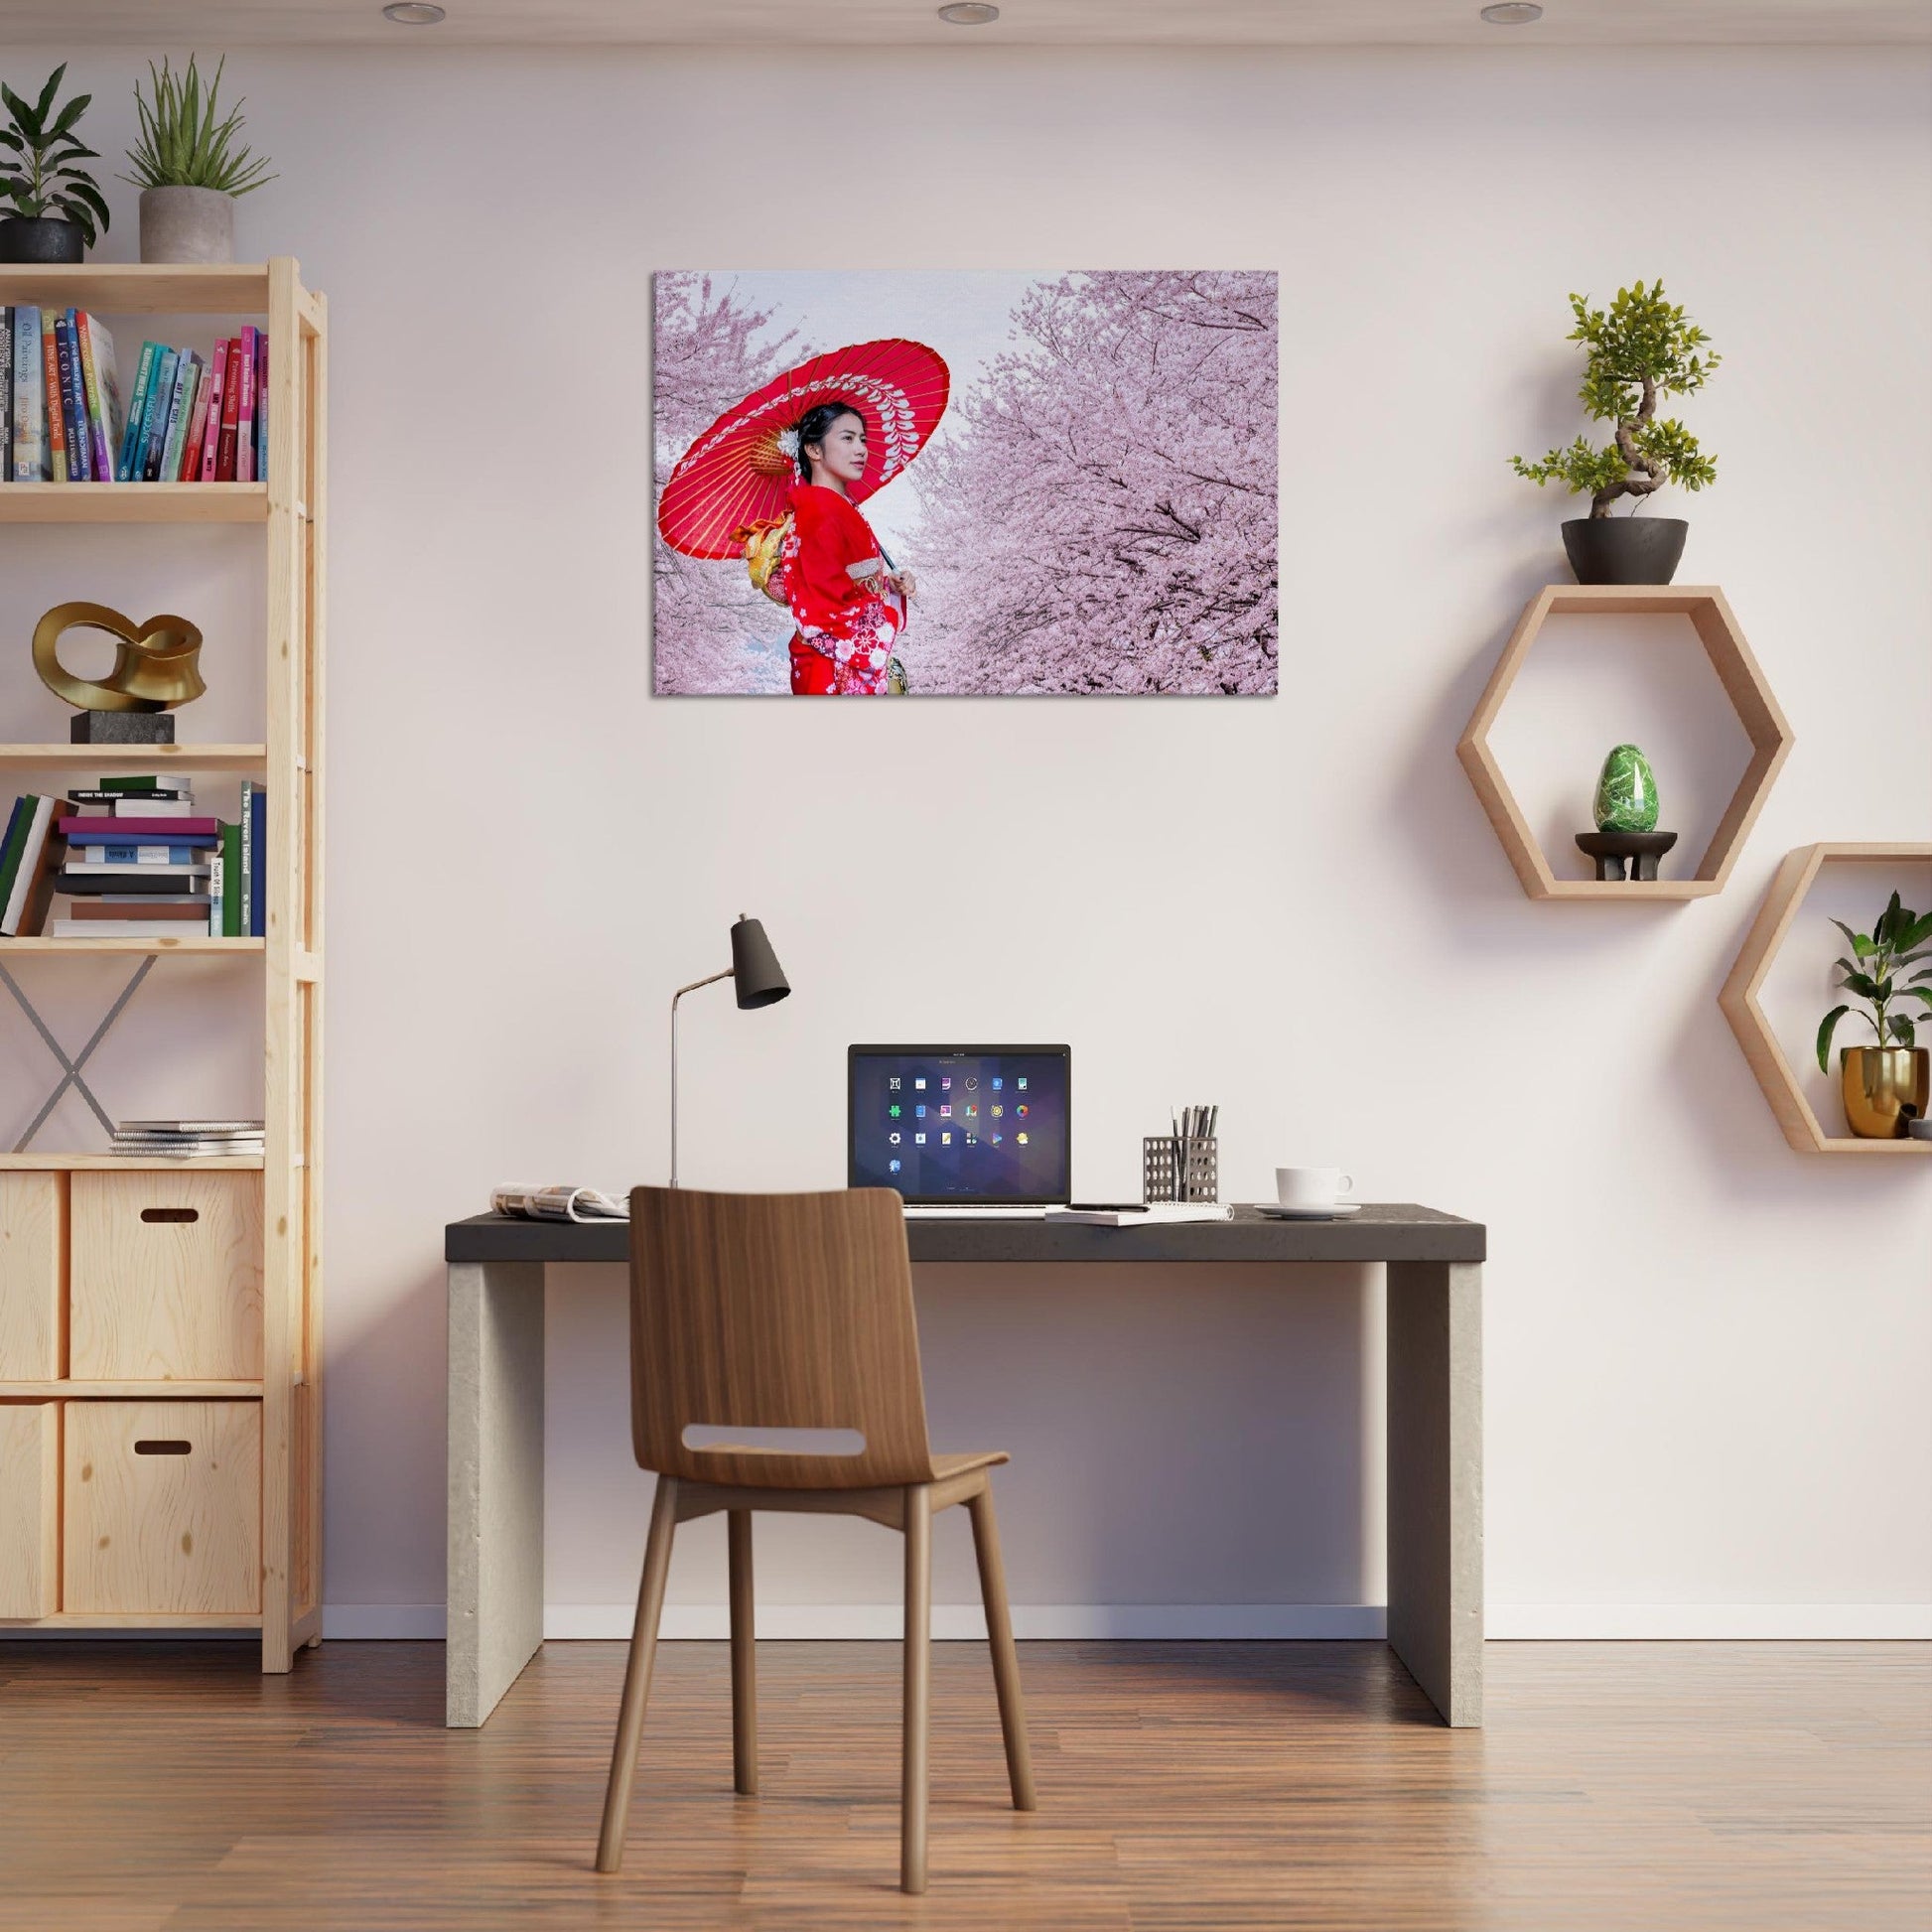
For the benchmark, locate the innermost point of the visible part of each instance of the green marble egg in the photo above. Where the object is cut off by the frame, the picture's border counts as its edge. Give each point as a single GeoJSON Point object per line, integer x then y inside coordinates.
{"type": "Point", "coordinates": [1626, 794]}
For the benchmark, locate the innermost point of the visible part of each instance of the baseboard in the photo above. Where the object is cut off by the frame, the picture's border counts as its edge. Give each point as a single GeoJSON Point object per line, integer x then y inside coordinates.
{"type": "Point", "coordinates": [1154, 1622]}
{"type": "Point", "coordinates": [1708, 1622]}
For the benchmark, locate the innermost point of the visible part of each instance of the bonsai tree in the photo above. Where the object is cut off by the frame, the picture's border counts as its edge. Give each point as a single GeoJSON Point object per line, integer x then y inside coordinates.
{"type": "Point", "coordinates": [1643, 349]}
{"type": "Point", "coordinates": [1900, 938]}
{"type": "Point", "coordinates": [38, 150]}
{"type": "Point", "coordinates": [182, 143]}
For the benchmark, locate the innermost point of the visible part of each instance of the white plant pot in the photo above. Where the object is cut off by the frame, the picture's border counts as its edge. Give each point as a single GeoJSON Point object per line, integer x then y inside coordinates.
{"type": "Point", "coordinates": [187, 224]}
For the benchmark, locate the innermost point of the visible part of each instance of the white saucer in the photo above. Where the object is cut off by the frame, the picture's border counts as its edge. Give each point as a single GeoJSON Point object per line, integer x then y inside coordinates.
{"type": "Point", "coordinates": [1274, 1211]}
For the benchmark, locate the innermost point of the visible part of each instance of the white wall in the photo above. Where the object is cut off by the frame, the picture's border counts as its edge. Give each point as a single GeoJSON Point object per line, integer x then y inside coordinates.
{"type": "Point", "coordinates": [1709, 1359]}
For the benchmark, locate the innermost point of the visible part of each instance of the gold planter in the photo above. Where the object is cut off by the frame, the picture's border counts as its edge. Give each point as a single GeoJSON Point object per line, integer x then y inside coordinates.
{"type": "Point", "coordinates": [1884, 1088]}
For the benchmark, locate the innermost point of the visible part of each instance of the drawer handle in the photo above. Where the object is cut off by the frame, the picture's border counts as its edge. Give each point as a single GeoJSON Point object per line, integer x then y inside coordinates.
{"type": "Point", "coordinates": [170, 1214]}
{"type": "Point", "coordinates": [163, 1445]}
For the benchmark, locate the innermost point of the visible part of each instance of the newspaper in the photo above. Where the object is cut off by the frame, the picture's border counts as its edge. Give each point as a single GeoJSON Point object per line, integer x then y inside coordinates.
{"type": "Point", "coordinates": [557, 1204]}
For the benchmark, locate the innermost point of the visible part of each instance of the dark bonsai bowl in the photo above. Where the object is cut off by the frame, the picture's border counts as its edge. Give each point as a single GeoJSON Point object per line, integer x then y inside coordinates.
{"type": "Point", "coordinates": [39, 239]}
{"type": "Point", "coordinates": [1624, 549]}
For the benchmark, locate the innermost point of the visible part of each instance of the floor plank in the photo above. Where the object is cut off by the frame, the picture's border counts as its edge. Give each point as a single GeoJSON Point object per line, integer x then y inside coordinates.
{"type": "Point", "coordinates": [154, 1788]}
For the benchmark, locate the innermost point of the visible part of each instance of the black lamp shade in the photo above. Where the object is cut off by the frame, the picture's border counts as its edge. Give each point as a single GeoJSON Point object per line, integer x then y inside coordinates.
{"type": "Point", "coordinates": [758, 977]}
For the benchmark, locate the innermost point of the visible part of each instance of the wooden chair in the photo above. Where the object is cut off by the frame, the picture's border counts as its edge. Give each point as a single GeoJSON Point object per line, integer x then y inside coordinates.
{"type": "Point", "coordinates": [793, 1312]}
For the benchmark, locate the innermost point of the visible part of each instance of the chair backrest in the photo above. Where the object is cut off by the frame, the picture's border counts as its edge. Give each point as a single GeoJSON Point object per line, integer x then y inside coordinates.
{"type": "Point", "coordinates": [774, 1311]}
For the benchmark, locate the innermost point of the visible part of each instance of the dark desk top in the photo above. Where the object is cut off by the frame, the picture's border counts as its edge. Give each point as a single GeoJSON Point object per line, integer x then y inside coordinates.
{"type": "Point", "coordinates": [1386, 1232]}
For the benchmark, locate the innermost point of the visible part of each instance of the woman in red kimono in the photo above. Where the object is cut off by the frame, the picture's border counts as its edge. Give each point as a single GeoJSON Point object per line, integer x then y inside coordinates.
{"type": "Point", "coordinates": [848, 601]}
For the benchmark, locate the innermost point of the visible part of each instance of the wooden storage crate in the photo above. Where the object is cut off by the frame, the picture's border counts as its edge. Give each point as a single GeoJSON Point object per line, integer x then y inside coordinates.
{"type": "Point", "coordinates": [162, 1507]}
{"type": "Point", "coordinates": [32, 1273]}
{"type": "Point", "coordinates": [30, 1508]}
{"type": "Point", "coordinates": [166, 1277]}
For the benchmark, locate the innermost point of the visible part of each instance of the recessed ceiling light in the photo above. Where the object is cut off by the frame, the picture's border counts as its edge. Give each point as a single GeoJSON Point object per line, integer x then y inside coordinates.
{"type": "Point", "coordinates": [1512, 13]}
{"type": "Point", "coordinates": [412, 13]}
{"type": "Point", "coordinates": [969, 13]}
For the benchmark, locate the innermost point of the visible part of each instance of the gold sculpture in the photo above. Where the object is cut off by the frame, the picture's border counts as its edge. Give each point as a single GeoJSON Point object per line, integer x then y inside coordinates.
{"type": "Point", "coordinates": [155, 665]}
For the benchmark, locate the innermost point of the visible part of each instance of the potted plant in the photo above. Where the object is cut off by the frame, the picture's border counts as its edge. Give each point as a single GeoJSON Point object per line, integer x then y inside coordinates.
{"type": "Point", "coordinates": [1641, 349]}
{"type": "Point", "coordinates": [188, 168]}
{"type": "Point", "coordinates": [51, 206]}
{"type": "Point", "coordinates": [1885, 1086]}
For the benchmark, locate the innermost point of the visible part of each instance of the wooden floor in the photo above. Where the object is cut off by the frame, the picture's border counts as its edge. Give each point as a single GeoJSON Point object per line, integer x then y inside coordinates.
{"type": "Point", "coordinates": [1213, 1786]}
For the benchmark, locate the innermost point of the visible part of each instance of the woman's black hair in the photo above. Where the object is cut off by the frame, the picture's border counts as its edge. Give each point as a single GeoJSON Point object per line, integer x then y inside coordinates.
{"type": "Point", "coordinates": [813, 425]}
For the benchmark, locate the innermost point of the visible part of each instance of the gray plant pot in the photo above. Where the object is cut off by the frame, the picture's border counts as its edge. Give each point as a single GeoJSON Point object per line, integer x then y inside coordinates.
{"type": "Point", "coordinates": [187, 224]}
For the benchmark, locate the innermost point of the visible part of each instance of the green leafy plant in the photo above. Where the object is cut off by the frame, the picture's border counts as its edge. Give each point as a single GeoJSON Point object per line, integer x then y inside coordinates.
{"type": "Point", "coordinates": [1900, 938]}
{"type": "Point", "coordinates": [1643, 349]}
{"type": "Point", "coordinates": [185, 142]}
{"type": "Point", "coordinates": [38, 150]}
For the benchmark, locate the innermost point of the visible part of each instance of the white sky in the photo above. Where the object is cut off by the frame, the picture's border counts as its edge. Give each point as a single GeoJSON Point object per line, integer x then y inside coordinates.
{"type": "Point", "coordinates": [965, 315]}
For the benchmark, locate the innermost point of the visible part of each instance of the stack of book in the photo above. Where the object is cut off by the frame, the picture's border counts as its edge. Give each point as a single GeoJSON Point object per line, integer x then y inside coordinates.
{"type": "Point", "coordinates": [137, 861]}
{"type": "Point", "coordinates": [188, 419]}
{"type": "Point", "coordinates": [186, 1139]}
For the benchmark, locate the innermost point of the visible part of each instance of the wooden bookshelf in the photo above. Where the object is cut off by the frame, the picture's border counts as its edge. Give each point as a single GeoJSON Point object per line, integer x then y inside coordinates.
{"type": "Point", "coordinates": [1739, 998]}
{"type": "Point", "coordinates": [286, 512]}
{"type": "Point", "coordinates": [1717, 632]}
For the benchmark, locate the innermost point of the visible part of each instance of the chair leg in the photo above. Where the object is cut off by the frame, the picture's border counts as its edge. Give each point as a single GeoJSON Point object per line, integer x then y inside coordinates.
{"type": "Point", "coordinates": [636, 1676]}
{"type": "Point", "coordinates": [745, 1679]}
{"type": "Point", "coordinates": [918, 1686]}
{"type": "Point", "coordinates": [1006, 1660]}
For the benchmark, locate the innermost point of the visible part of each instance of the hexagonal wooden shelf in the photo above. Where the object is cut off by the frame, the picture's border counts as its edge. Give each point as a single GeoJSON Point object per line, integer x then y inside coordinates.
{"type": "Point", "coordinates": [1795, 876]}
{"type": "Point", "coordinates": [1744, 683]}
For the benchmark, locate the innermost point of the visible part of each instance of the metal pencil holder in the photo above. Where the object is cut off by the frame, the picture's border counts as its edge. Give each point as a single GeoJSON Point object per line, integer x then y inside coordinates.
{"type": "Point", "coordinates": [1180, 1169]}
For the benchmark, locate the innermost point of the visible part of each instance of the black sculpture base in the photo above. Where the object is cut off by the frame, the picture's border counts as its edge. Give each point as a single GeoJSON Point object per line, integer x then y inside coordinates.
{"type": "Point", "coordinates": [122, 728]}
{"type": "Point", "coordinates": [1611, 849]}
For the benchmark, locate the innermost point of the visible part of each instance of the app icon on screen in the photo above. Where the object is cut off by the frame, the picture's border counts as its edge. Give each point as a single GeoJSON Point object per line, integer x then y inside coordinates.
{"type": "Point", "coordinates": [1021, 1083]}
{"type": "Point", "coordinates": [892, 1166]}
{"type": "Point", "coordinates": [1021, 1138]}
{"type": "Point", "coordinates": [918, 1112]}
{"type": "Point", "coordinates": [919, 1083]}
{"type": "Point", "coordinates": [971, 1112]}
{"type": "Point", "coordinates": [1021, 1110]}
{"type": "Point", "coordinates": [893, 1110]}
{"type": "Point", "coordinates": [893, 1138]}
{"type": "Point", "coordinates": [892, 1083]}
{"type": "Point", "coordinates": [995, 1138]}
{"type": "Point", "coordinates": [997, 1110]}
{"type": "Point", "coordinates": [945, 1081]}
{"type": "Point", "coordinates": [971, 1141]}
{"type": "Point", "coordinates": [971, 1083]}
{"type": "Point", "coordinates": [996, 1083]}
{"type": "Point", "coordinates": [945, 1113]}
{"type": "Point", "coordinates": [918, 1140]}
{"type": "Point", "coordinates": [946, 1140]}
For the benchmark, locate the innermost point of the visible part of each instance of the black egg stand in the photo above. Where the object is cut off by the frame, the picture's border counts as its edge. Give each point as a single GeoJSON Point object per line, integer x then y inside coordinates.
{"type": "Point", "coordinates": [1613, 850]}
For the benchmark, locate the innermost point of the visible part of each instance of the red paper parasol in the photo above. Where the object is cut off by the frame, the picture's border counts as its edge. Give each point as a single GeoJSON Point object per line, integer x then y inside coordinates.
{"type": "Point", "coordinates": [735, 474]}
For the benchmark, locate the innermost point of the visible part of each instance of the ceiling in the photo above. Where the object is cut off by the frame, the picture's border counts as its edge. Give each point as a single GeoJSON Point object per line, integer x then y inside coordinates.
{"type": "Point", "coordinates": [749, 24]}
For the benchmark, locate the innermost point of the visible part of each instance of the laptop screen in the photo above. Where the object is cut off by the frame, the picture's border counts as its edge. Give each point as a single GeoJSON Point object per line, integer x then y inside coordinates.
{"type": "Point", "coordinates": [966, 1124]}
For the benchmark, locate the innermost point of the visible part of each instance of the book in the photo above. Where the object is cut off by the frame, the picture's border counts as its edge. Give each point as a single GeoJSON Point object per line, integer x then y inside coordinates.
{"type": "Point", "coordinates": [16, 823]}
{"type": "Point", "coordinates": [185, 1149]}
{"type": "Point", "coordinates": [258, 869]}
{"type": "Point", "coordinates": [154, 425]}
{"type": "Point", "coordinates": [179, 412]}
{"type": "Point", "coordinates": [231, 407]}
{"type": "Point", "coordinates": [261, 406]}
{"type": "Point", "coordinates": [133, 858]}
{"type": "Point", "coordinates": [1154, 1214]}
{"type": "Point", "coordinates": [231, 882]}
{"type": "Point", "coordinates": [136, 881]}
{"type": "Point", "coordinates": [133, 782]}
{"type": "Point", "coordinates": [244, 464]}
{"type": "Point", "coordinates": [6, 394]}
{"type": "Point", "coordinates": [102, 384]}
{"type": "Point", "coordinates": [179, 907]}
{"type": "Point", "coordinates": [57, 426]}
{"type": "Point", "coordinates": [73, 405]}
{"type": "Point", "coordinates": [123, 806]}
{"type": "Point", "coordinates": [29, 444]}
{"type": "Point", "coordinates": [218, 384]}
{"type": "Point", "coordinates": [201, 1129]}
{"type": "Point", "coordinates": [190, 467]}
{"type": "Point", "coordinates": [120, 929]}
{"type": "Point", "coordinates": [100, 796]}
{"type": "Point", "coordinates": [245, 891]}
{"type": "Point", "coordinates": [176, 831]}
{"type": "Point", "coordinates": [137, 409]}
{"type": "Point", "coordinates": [33, 884]}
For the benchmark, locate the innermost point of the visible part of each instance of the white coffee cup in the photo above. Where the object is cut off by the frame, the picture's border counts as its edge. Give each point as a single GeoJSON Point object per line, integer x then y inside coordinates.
{"type": "Point", "coordinates": [1311, 1186]}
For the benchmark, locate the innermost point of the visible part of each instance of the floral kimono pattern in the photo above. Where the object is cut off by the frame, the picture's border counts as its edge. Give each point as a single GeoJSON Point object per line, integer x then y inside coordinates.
{"type": "Point", "coordinates": [849, 617]}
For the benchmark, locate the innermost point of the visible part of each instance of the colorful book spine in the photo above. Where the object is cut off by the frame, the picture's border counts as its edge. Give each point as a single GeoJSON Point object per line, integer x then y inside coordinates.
{"type": "Point", "coordinates": [244, 461]}
{"type": "Point", "coordinates": [231, 876]}
{"type": "Point", "coordinates": [137, 409]}
{"type": "Point", "coordinates": [136, 854]}
{"type": "Point", "coordinates": [246, 890]}
{"type": "Point", "coordinates": [261, 406]}
{"type": "Point", "coordinates": [179, 412]}
{"type": "Point", "coordinates": [56, 424]}
{"type": "Point", "coordinates": [190, 466]}
{"type": "Point", "coordinates": [16, 823]}
{"type": "Point", "coordinates": [29, 444]}
{"type": "Point", "coordinates": [74, 401]}
{"type": "Point", "coordinates": [215, 885]}
{"type": "Point", "coordinates": [231, 408]}
{"type": "Point", "coordinates": [258, 869]}
{"type": "Point", "coordinates": [104, 393]}
{"type": "Point", "coordinates": [167, 370]}
{"type": "Point", "coordinates": [217, 384]}
{"type": "Point", "coordinates": [33, 883]}
{"type": "Point", "coordinates": [6, 395]}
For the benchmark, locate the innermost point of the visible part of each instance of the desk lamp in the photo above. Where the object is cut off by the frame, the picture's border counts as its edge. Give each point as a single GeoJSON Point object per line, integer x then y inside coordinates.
{"type": "Point", "coordinates": [761, 982]}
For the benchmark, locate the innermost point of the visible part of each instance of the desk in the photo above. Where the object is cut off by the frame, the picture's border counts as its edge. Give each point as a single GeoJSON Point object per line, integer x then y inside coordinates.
{"type": "Point", "coordinates": [1434, 1422]}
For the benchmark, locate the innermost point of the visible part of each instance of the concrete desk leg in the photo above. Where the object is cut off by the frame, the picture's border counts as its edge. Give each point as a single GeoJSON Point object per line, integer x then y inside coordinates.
{"type": "Point", "coordinates": [1434, 1321]}
{"type": "Point", "coordinates": [496, 1588]}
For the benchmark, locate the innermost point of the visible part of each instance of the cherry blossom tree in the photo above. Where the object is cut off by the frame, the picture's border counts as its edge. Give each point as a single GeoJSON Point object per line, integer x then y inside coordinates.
{"type": "Point", "coordinates": [711, 630]}
{"type": "Point", "coordinates": [1099, 513]}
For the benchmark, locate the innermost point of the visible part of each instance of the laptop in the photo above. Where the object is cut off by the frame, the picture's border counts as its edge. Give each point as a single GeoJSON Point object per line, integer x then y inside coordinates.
{"type": "Point", "coordinates": [962, 1131]}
